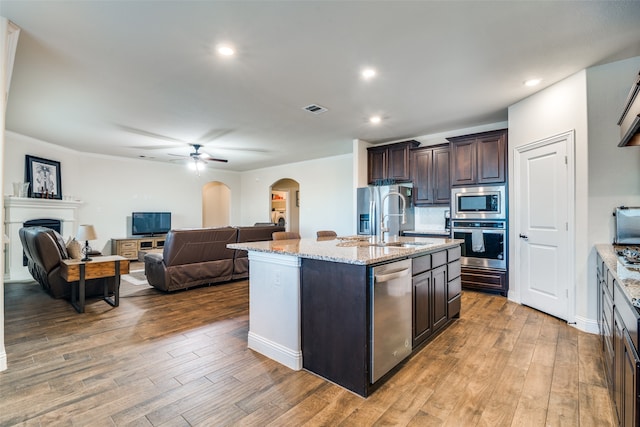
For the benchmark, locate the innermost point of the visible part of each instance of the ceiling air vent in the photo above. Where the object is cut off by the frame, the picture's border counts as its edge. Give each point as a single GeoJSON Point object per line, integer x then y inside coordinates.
{"type": "Point", "coordinates": [315, 109]}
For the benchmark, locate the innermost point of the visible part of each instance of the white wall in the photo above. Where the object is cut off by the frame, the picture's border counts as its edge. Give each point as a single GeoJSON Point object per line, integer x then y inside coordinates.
{"type": "Point", "coordinates": [216, 205]}
{"type": "Point", "coordinates": [590, 102]}
{"type": "Point", "coordinates": [326, 194]}
{"type": "Point", "coordinates": [113, 187]}
{"type": "Point", "coordinates": [559, 108]}
{"type": "Point", "coordinates": [614, 172]}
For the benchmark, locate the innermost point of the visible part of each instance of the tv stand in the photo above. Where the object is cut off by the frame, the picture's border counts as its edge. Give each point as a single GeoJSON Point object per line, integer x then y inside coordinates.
{"type": "Point", "coordinates": [130, 246]}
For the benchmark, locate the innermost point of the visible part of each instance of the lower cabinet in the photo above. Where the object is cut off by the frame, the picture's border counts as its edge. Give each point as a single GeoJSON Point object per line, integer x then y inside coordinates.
{"type": "Point", "coordinates": [436, 292]}
{"type": "Point", "coordinates": [629, 387]}
{"type": "Point", "coordinates": [130, 246]}
{"type": "Point", "coordinates": [618, 322]}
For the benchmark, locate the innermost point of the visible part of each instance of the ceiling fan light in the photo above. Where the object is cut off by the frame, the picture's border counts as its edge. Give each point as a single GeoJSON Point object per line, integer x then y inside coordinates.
{"type": "Point", "coordinates": [196, 165]}
{"type": "Point", "coordinates": [226, 50]}
{"type": "Point", "coordinates": [368, 73]}
{"type": "Point", "coordinates": [532, 82]}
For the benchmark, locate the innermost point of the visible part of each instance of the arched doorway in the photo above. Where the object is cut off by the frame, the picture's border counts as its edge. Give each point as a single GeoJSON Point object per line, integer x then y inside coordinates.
{"type": "Point", "coordinates": [285, 204]}
{"type": "Point", "coordinates": [216, 204]}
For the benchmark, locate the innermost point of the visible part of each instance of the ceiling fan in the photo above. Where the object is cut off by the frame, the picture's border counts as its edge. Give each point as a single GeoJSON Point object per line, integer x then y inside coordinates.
{"type": "Point", "coordinates": [199, 156]}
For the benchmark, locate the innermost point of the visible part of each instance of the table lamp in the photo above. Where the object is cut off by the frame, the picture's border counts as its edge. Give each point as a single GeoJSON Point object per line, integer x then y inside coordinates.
{"type": "Point", "coordinates": [86, 232]}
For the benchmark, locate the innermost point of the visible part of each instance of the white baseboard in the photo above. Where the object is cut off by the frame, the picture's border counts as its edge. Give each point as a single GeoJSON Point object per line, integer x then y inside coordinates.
{"type": "Point", "coordinates": [587, 325]}
{"type": "Point", "coordinates": [290, 358]}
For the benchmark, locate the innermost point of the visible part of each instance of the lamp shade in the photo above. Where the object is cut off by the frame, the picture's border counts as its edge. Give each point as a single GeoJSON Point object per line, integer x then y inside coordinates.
{"type": "Point", "coordinates": [86, 232]}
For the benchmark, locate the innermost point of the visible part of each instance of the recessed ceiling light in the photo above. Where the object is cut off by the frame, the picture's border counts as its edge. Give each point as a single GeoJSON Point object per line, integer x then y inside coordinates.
{"type": "Point", "coordinates": [226, 50]}
{"type": "Point", "coordinates": [368, 73]}
{"type": "Point", "coordinates": [532, 82]}
{"type": "Point", "coordinates": [375, 119]}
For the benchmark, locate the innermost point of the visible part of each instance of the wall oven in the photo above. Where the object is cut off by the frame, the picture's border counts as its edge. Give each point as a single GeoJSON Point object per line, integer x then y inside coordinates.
{"type": "Point", "coordinates": [487, 202]}
{"type": "Point", "coordinates": [484, 242]}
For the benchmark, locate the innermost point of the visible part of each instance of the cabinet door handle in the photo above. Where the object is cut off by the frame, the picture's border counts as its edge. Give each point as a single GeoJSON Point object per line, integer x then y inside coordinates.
{"type": "Point", "coordinates": [522, 236]}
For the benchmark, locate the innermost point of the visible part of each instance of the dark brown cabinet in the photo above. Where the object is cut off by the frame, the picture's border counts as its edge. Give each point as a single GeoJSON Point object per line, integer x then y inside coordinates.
{"type": "Point", "coordinates": [618, 322]}
{"type": "Point", "coordinates": [436, 292]}
{"type": "Point", "coordinates": [482, 279]}
{"type": "Point", "coordinates": [390, 162]}
{"type": "Point", "coordinates": [430, 175]}
{"type": "Point", "coordinates": [479, 158]}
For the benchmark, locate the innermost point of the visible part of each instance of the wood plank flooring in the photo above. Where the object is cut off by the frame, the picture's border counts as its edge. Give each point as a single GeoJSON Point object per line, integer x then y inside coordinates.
{"type": "Point", "coordinates": [181, 359]}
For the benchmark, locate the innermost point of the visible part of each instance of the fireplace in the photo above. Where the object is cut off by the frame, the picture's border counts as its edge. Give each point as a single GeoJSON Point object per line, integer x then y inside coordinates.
{"type": "Point", "coordinates": [19, 211]}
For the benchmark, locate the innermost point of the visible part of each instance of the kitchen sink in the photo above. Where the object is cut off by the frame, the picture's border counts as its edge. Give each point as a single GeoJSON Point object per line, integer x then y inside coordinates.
{"type": "Point", "coordinates": [385, 244]}
{"type": "Point", "coordinates": [404, 244]}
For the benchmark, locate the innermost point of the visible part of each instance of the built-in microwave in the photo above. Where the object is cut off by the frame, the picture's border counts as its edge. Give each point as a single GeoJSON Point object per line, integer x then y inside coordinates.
{"type": "Point", "coordinates": [486, 202]}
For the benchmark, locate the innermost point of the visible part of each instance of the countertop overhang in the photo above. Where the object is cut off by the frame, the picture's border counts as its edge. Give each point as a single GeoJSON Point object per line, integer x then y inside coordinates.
{"type": "Point", "coordinates": [627, 277]}
{"type": "Point", "coordinates": [346, 250]}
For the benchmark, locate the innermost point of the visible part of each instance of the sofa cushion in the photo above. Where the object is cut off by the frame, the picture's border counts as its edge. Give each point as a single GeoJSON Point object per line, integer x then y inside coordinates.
{"type": "Point", "coordinates": [189, 246]}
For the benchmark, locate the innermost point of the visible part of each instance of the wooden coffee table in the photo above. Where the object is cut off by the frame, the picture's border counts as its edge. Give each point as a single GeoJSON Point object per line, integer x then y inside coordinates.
{"type": "Point", "coordinates": [76, 272]}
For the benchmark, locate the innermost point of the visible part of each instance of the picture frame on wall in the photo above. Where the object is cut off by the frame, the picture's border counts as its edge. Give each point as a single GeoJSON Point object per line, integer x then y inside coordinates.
{"type": "Point", "coordinates": [44, 176]}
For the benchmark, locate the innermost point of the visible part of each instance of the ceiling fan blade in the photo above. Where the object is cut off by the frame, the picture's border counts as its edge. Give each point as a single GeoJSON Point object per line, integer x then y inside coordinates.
{"type": "Point", "coordinates": [153, 135]}
{"type": "Point", "coordinates": [213, 134]}
{"type": "Point", "coordinates": [155, 147]}
{"type": "Point", "coordinates": [213, 159]}
{"type": "Point", "coordinates": [252, 150]}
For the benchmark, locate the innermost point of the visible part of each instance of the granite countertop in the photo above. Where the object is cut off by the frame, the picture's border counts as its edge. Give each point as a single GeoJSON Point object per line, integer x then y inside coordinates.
{"type": "Point", "coordinates": [627, 276]}
{"type": "Point", "coordinates": [348, 250]}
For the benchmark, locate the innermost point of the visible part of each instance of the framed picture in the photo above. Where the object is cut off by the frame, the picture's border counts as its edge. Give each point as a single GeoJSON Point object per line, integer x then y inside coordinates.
{"type": "Point", "coordinates": [44, 176]}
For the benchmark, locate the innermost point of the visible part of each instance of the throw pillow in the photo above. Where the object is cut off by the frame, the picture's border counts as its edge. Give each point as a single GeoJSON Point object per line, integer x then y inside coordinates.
{"type": "Point", "coordinates": [74, 249]}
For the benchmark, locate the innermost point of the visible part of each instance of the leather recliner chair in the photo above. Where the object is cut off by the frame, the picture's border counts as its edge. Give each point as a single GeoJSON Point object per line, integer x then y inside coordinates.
{"type": "Point", "coordinates": [45, 249]}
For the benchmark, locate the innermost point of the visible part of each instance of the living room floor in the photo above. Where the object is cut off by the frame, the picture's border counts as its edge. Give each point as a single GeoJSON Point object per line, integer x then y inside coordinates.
{"type": "Point", "coordinates": [181, 359]}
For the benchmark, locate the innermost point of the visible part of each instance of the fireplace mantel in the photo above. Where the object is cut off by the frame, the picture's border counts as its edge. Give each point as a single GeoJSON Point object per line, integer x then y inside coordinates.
{"type": "Point", "coordinates": [17, 210]}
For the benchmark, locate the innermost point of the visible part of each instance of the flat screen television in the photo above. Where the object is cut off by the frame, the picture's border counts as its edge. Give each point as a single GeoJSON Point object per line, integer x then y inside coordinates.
{"type": "Point", "coordinates": [150, 223]}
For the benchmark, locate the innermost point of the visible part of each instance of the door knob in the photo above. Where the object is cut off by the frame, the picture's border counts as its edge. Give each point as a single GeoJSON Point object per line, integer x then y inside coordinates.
{"type": "Point", "coordinates": [522, 236]}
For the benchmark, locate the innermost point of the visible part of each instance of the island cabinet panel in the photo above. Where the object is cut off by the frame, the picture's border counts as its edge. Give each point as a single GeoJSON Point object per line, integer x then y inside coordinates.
{"type": "Point", "coordinates": [335, 319]}
{"type": "Point", "coordinates": [422, 325]}
{"type": "Point", "coordinates": [439, 278]}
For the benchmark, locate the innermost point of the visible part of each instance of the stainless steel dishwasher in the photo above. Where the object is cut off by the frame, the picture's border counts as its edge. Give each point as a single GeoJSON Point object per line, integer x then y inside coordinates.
{"type": "Point", "coordinates": [390, 316]}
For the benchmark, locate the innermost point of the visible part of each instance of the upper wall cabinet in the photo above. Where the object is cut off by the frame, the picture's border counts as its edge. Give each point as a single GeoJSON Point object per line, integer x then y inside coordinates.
{"type": "Point", "coordinates": [430, 175]}
{"type": "Point", "coordinates": [479, 158]}
{"type": "Point", "coordinates": [630, 121]}
{"type": "Point", "coordinates": [390, 162]}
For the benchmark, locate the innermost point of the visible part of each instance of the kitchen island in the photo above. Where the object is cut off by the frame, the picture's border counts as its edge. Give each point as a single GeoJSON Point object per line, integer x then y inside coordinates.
{"type": "Point", "coordinates": [311, 302]}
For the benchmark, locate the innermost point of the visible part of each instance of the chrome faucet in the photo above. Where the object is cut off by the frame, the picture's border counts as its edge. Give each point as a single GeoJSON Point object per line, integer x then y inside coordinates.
{"type": "Point", "coordinates": [384, 229]}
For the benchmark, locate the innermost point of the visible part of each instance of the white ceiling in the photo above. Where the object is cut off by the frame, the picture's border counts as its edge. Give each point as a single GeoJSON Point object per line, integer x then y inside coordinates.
{"type": "Point", "coordinates": [133, 78]}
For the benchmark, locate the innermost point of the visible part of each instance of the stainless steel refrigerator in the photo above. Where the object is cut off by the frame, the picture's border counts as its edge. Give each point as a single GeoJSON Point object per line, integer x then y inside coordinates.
{"type": "Point", "coordinates": [370, 209]}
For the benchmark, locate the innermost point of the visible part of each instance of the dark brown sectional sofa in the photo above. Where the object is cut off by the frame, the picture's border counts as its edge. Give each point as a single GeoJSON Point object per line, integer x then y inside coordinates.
{"type": "Point", "coordinates": [193, 257]}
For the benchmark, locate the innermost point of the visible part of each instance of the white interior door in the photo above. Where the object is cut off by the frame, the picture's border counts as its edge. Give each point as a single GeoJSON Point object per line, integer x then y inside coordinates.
{"type": "Point", "coordinates": [542, 206]}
